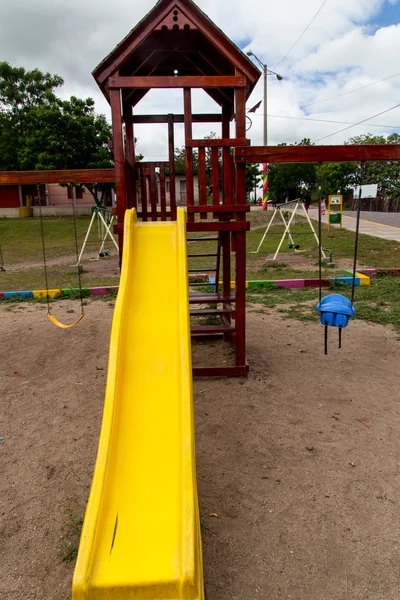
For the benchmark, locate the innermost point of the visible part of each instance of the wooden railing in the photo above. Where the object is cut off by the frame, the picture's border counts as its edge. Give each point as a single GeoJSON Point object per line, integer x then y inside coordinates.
{"type": "Point", "coordinates": [222, 181]}
{"type": "Point", "coordinates": [153, 192]}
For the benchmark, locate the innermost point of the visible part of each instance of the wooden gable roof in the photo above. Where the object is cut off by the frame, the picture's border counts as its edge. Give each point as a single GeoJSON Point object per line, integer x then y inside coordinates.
{"type": "Point", "coordinates": [176, 37]}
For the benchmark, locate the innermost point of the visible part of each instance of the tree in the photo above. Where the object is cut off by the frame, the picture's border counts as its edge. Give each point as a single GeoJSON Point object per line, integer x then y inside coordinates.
{"type": "Point", "coordinates": [180, 161]}
{"type": "Point", "coordinates": [337, 177]}
{"type": "Point", "coordinates": [21, 92]}
{"type": "Point", "coordinates": [38, 130]}
{"type": "Point", "coordinates": [254, 177]}
{"type": "Point", "coordinates": [288, 181]}
{"type": "Point", "coordinates": [385, 174]}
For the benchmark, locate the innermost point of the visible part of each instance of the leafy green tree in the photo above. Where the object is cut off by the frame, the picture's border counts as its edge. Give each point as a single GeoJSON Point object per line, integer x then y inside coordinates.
{"type": "Point", "coordinates": [21, 92]}
{"type": "Point", "coordinates": [288, 181]}
{"type": "Point", "coordinates": [337, 177]}
{"type": "Point", "coordinates": [254, 177]}
{"type": "Point", "coordinates": [385, 174]}
{"type": "Point", "coordinates": [67, 135]}
{"type": "Point", "coordinates": [180, 161]}
{"type": "Point", "coordinates": [38, 130]}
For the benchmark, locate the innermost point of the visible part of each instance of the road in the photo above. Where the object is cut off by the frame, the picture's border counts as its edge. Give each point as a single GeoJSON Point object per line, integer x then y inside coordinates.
{"type": "Point", "coordinates": [377, 224]}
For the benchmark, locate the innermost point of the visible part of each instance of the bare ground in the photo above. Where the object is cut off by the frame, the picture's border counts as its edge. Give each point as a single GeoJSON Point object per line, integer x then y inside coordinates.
{"type": "Point", "coordinates": [300, 461]}
{"type": "Point", "coordinates": [299, 261]}
{"type": "Point", "coordinates": [104, 266]}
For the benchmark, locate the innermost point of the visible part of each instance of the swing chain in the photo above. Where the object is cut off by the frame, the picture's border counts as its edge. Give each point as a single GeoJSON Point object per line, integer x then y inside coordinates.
{"type": "Point", "coordinates": [1, 260]}
{"type": "Point", "coordinates": [353, 288]}
{"type": "Point", "coordinates": [320, 233]}
{"type": "Point", "coordinates": [77, 251]}
{"type": "Point", "coordinates": [44, 254]}
{"type": "Point", "coordinates": [43, 251]}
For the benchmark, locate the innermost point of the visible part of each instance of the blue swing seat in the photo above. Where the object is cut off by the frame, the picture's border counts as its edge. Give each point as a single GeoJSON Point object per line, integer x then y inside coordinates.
{"type": "Point", "coordinates": [335, 310]}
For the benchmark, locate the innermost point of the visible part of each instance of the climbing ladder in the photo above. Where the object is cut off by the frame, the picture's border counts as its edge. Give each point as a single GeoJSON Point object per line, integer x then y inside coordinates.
{"type": "Point", "coordinates": [225, 312]}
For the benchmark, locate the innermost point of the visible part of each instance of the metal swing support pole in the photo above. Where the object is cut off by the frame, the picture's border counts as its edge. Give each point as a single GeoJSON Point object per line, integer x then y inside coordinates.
{"type": "Point", "coordinates": [86, 239]}
{"type": "Point", "coordinates": [107, 233]}
{"type": "Point", "coordinates": [287, 230]}
{"type": "Point", "coordinates": [265, 233]}
{"type": "Point", "coordinates": [313, 229]}
{"type": "Point", "coordinates": [285, 223]}
{"type": "Point", "coordinates": [105, 236]}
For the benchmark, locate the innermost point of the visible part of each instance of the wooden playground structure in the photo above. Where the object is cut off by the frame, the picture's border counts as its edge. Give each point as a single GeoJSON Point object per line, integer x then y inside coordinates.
{"type": "Point", "coordinates": [177, 46]}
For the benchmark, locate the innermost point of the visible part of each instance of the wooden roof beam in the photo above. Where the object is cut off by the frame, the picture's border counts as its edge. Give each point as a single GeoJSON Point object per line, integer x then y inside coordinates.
{"type": "Point", "coordinates": [316, 154]}
{"type": "Point", "coordinates": [221, 143]}
{"type": "Point", "coordinates": [205, 81]}
{"type": "Point", "coordinates": [146, 119]}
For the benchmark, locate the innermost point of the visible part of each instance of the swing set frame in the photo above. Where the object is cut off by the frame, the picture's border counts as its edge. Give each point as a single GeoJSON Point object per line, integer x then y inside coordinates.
{"type": "Point", "coordinates": [278, 210]}
{"type": "Point", "coordinates": [104, 230]}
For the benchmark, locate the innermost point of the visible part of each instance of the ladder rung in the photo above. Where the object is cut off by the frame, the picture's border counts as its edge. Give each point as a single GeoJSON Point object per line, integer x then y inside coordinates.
{"type": "Point", "coordinates": [205, 329]}
{"type": "Point", "coordinates": [198, 284]}
{"type": "Point", "coordinates": [203, 239]}
{"type": "Point", "coordinates": [201, 312]}
{"type": "Point", "coordinates": [216, 298]}
{"type": "Point", "coordinates": [203, 270]}
{"type": "Point", "coordinates": [198, 255]}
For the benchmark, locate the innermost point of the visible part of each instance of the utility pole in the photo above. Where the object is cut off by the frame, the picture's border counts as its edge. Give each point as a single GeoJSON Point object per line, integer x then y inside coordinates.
{"type": "Point", "coordinates": [266, 72]}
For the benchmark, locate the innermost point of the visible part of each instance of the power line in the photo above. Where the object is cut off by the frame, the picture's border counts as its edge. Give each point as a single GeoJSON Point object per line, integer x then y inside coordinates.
{"type": "Point", "coordinates": [306, 29]}
{"type": "Point", "coordinates": [359, 123]}
{"type": "Point", "coordinates": [350, 92]}
{"type": "Point", "coordinates": [327, 121]}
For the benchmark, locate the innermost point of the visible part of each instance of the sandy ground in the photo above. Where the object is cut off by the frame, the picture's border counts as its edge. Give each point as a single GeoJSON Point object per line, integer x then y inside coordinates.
{"type": "Point", "coordinates": [300, 461]}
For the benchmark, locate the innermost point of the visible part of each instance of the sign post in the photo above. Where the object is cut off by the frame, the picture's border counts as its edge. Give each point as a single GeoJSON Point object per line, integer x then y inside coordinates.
{"type": "Point", "coordinates": [336, 217]}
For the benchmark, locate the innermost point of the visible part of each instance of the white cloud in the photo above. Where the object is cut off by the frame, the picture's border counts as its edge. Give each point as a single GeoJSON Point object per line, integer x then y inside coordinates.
{"type": "Point", "coordinates": [341, 51]}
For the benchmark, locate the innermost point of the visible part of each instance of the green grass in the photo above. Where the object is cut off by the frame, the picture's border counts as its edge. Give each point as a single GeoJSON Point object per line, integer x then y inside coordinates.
{"type": "Point", "coordinates": [21, 244]}
{"type": "Point", "coordinates": [69, 543]}
{"type": "Point", "coordinates": [21, 239]}
{"type": "Point", "coordinates": [377, 303]}
{"type": "Point", "coordinates": [59, 276]}
{"type": "Point", "coordinates": [372, 251]}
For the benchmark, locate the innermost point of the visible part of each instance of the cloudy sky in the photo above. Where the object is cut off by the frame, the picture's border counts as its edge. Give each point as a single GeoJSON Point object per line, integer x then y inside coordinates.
{"type": "Point", "coordinates": [350, 44]}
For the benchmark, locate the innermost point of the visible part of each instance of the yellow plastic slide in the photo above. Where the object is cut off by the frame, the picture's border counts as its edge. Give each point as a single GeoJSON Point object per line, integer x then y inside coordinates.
{"type": "Point", "coordinates": [141, 534]}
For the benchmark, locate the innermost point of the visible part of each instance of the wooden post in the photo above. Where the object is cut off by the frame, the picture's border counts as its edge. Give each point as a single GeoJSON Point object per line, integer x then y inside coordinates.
{"type": "Point", "coordinates": [202, 180]}
{"type": "Point", "coordinates": [240, 245]}
{"type": "Point", "coordinates": [153, 193]}
{"type": "Point", "coordinates": [163, 202]}
{"type": "Point", "coordinates": [172, 187]}
{"type": "Point", "coordinates": [226, 157]}
{"type": "Point", "coordinates": [130, 159]}
{"type": "Point", "coordinates": [187, 101]}
{"type": "Point", "coordinates": [119, 162]}
{"type": "Point", "coordinates": [225, 237]}
{"type": "Point", "coordinates": [143, 192]}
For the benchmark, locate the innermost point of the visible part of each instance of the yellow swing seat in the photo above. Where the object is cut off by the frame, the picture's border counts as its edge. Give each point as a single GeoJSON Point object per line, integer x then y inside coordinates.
{"type": "Point", "coordinates": [58, 323]}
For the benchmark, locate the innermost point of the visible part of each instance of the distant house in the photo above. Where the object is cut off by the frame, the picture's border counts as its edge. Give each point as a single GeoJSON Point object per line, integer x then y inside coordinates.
{"type": "Point", "coordinates": [51, 195]}
{"type": "Point", "coordinates": [56, 199]}
{"type": "Point", "coordinates": [180, 187]}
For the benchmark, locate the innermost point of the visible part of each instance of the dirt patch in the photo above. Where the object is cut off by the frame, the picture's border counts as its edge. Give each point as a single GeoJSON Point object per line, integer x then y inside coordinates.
{"type": "Point", "coordinates": [299, 461]}
{"type": "Point", "coordinates": [305, 263]}
{"type": "Point", "coordinates": [104, 266]}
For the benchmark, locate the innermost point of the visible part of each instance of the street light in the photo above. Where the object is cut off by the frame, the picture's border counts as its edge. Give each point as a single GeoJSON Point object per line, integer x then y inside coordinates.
{"type": "Point", "coordinates": [266, 72]}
